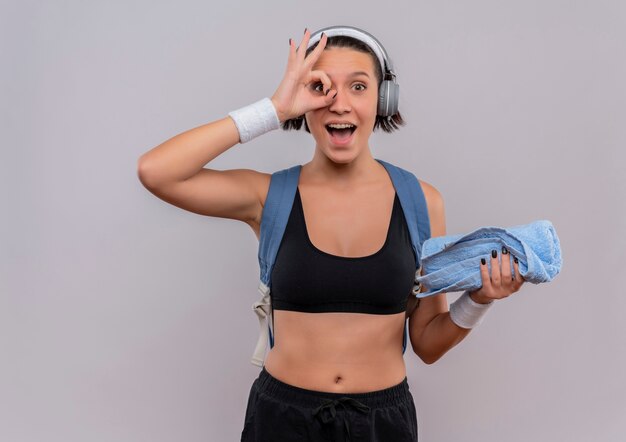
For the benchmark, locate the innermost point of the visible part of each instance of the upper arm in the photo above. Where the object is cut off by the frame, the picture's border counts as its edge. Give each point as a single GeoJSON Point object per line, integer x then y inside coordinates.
{"type": "Point", "coordinates": [237, 193]}
{"type": "Point", "coordinates": [436, 211]}
{"type": "Point", "coordinates": [430, 306]}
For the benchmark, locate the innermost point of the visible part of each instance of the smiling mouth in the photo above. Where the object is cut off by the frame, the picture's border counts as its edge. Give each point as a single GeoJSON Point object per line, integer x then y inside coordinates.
{"type": "Point", "coordinates": [340, 131]}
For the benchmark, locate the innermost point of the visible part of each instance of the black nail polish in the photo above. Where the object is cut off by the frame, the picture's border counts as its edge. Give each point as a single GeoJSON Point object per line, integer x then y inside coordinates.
{"type": "Point", "coordinates": [515, 259]}
{"type": "Point", "coordinates": [321, 35]}
{"type": "Point", "coordinates": [305, 30]}
{"type": "Point", "coordinates": [327, 91]}
{"type": "Point", "coordinates": [289, 42]}
{"type": "Point", "coordinates": [494, 254]}
{"type": "Point", "coordinates": [335, 94]}
{"type": "Point", "coordinates": [504, 252]}
{"type": "Point", "coordinates": [483, 261]}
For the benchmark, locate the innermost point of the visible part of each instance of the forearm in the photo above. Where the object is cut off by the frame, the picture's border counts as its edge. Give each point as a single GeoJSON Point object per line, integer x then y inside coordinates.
{"type": "Point", "coordinates": [439, 336]}
{"type": "Point", "coordinates": [445, 329]}
{"type": "Point", "coordinates": [184, 155]}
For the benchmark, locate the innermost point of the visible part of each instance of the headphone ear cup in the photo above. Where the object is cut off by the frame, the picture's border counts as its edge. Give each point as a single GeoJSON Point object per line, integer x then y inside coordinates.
{"type": "Point", "coordinates": [388, 94]}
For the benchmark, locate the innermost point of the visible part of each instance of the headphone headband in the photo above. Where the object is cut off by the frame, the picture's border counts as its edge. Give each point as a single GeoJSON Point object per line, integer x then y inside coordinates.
{"type": "Point", "coordinates": [361, 35]}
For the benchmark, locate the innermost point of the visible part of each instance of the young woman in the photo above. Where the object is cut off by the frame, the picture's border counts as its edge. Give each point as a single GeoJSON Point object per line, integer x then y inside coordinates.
{"type": "Point", "coordinates": [336, 371]}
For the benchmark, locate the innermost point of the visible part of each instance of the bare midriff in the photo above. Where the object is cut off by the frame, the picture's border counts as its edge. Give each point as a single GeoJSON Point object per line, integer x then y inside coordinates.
{"type": "Point", "coordinates": [337, 352]}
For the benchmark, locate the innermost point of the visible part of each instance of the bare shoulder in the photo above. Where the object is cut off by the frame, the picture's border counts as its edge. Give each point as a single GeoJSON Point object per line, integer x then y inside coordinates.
{"type": "Point", "coordinates": [436, 210]}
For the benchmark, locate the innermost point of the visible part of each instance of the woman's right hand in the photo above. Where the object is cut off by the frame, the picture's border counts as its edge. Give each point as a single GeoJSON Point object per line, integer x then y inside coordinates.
{"type": "Point", "coordinates": [296, 94]}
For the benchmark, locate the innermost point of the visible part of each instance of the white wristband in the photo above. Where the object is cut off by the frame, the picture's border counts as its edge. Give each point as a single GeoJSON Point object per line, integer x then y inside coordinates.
{"type": "Point", "coordinates": [466, 313]}
{"type": "Point", "coordinates": [255, 119]}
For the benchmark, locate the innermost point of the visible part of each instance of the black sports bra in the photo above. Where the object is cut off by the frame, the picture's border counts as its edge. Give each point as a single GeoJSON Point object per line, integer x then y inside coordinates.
{"type": "Point", "coordinates": [307, 279]}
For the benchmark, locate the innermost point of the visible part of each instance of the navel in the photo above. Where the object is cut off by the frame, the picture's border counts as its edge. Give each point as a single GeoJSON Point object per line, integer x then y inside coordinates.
{"type": "Point", "coordinates": [338, 379]}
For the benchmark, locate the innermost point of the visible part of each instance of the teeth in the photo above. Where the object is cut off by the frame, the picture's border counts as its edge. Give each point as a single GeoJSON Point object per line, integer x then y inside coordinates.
{"type": "Point", "coordinates": [341, 126]}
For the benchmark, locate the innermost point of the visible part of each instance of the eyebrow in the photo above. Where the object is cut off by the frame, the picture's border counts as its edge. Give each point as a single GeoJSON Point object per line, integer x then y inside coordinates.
{"type": "Point", "coordinates": [357, 73]}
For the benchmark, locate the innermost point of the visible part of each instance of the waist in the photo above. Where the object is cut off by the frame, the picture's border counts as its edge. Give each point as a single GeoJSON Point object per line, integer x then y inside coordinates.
{"type": "Point", "coordinates": [337, 352]}
{"type": "Point", "coordinates": [288, 393]}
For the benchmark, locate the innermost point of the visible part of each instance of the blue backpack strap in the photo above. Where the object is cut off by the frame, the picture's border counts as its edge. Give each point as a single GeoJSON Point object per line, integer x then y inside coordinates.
{"type": "Point", "coordinates": [280, 196]}
{"type": "Point", "coordinates": [415, 210]}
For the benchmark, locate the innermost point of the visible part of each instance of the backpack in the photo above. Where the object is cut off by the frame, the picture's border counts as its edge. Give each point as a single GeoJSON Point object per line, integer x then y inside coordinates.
{"type": "Point", "coordinates": [280, 197]}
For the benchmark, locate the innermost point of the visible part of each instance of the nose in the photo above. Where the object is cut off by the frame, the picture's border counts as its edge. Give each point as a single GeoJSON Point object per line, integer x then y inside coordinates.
{"type": "Point", "coordinates": [341, 103]}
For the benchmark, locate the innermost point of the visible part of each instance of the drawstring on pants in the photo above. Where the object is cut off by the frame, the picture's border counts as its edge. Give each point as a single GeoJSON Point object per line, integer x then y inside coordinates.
{"type": "Point", "coordinates": [327, 411]}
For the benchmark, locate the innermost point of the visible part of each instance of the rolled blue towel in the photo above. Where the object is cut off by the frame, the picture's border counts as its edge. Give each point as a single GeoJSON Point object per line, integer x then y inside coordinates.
{"type": "Point", "coordinates": [452, 263]}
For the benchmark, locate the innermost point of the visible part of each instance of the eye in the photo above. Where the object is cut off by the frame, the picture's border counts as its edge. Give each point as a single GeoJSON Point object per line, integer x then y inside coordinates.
{"type": "Point", "coordinates": [361, 86]}
{"type": "Point", "coordinates": [318, 87]}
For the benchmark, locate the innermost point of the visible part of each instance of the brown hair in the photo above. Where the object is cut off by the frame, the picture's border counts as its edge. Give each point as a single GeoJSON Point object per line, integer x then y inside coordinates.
{"type": "Point", "coordinates": [387, 124]}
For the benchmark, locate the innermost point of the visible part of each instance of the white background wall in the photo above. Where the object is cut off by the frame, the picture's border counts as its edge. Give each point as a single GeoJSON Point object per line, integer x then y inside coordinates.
{"type": "Point", "coordinates": [123, 318]}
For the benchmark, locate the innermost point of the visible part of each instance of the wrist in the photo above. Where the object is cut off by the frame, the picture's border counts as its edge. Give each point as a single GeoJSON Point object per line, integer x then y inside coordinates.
{"type": "Point", "coordinates": [479, 299]}
{"type": "Point", "coordinates": [466, 313]}
{"type": "Point", "coordinates": [281, 116]}
{"type": "Point", "coordinates": [255, 119]}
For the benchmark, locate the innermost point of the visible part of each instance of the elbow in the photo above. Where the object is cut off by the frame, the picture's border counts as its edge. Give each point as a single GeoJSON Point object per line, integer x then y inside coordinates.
{"type": "Point", "coordinates": [146, 174]}
{"type": "Point", "coordinates": [427, 356]}
{"type": "Point", "coordinates": [429, 359]}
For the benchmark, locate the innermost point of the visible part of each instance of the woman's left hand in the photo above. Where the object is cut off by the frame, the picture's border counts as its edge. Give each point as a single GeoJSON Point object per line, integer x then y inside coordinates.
{"type": "Point", "coordinates": [501, 283]}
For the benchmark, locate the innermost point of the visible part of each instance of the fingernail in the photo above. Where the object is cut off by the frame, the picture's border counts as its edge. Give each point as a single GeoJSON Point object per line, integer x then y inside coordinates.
{"type": "Point", "coordinates": [504, 252]}
{"type": "Point", "coordinates": [321, 35]}
{"type": "Point", "coordinates": [335, 94]}
{"type": "Point", "coordinates": [494, 254]}
{"type": "Point", "coordinates": [515, 259]}
{"type": "Point", "coordinates": [483, 261]}
{"type": "Point", "coordinates": [289, 42]}
{"type": "Point", "coordinates": [327, 91]}
{"type": "Point", "coordinates": [305, 30]}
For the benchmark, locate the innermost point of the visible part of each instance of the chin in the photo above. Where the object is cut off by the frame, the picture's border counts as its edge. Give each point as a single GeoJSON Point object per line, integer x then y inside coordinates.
{"type": "Point", "coordinates": [341, 156]}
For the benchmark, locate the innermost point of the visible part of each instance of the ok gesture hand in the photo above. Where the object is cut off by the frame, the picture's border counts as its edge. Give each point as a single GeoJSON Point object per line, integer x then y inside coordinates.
{"type": "Point", "coordinates": [295, 95]}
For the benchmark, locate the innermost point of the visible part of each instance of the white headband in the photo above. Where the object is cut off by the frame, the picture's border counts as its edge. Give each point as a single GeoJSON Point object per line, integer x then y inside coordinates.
{"type": "Point", "coordinates": [368, 39]}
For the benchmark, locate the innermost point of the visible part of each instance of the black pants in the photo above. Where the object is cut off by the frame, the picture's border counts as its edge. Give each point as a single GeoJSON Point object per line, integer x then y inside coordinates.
{"type": "Point", "coordinates": [279, 412]}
